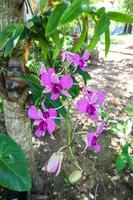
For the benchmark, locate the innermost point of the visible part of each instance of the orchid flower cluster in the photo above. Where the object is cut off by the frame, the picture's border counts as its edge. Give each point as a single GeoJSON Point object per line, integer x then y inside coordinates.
{"type": "Point", "coordinates": [58, 85]}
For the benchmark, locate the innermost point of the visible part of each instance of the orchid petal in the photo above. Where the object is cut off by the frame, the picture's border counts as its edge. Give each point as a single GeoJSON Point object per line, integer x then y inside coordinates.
{"type": "Point", "coordinates": [39, 132]}
{"type": "Point", "coordinates": [66, 82]}
{"type": "Point", "coordinates": [94, 117]}
{"type": "Point", "coordinates": [100, 129]}
{"type": "Point", "coordinates": [100, 97]}
{"type": "Point", "coordinates": [60, 162]}
{"type": "Point", "coordinates": [51, 70]}
{"type": "Point", "coordinates": [45, 79]}
{"type": "Point", "coordinates": [52, 164]}
{"type": "Point", "coordinates": [96, 147]}
{"type": "Point", "coordinates": [54, 78]}
{"type": "Point", "coordinates": [50, 125]}
{"type": "Point", "coordinates": [65, 93]}
{"type": "Point", "coordinates": [47, 90]}
{"type": "Point", "coordinates": [42, 69]}
{"type": "Point", "coordinates": [86, 55]}
{"type": "Point", "coordinates": [52, 112]}
{"type": "Point", "coordinates": [82, 105]}
{"type": "Point", "coordinates": [54, 95]}
{"type": "Point", "coordinates": [33, 113]}
{"type": "Point", "coordinates": [88, 140]}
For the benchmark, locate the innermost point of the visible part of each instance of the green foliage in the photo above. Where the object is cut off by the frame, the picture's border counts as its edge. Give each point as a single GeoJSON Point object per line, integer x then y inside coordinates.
{"type": "Point", "coordinates": [12, 42]}
{"type": "Point", "coordinates": [1, 106]}
{"type": "Point", "coordinates": [14, 172]}
{"type": "Point", "coordinates": [124, 159]}
{"type": "Point", "coordinates": [55, 18]}
{"type": "Point", "coordinates": [73, 11]}
{"type": "Point", "coordinates": [121, 162]}
{"type": "Point", "coordinates": [6, 33]}
{"type": "Point", "coordinates": [129, 110]}
{"type": "Point", "coordinates": [58, 43]}
{"type": "Point", "coordinates": [128, 6]}
{"type": "Point", "coordinates": [125, 127]}
{"type": "Point", "coordinates": [82, 38]}
{"type": "Point", "coordinates": [107, 40]}
{"type": "Point", "coordinates": [101, 26]}
{"type": "Point", "coordinates": [42, 5]}
{"type": "Point", "coordinates": [120, 17]}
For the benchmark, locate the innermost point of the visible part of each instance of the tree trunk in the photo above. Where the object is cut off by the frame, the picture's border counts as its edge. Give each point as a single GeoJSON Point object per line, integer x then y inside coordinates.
{"type": "Point", "coordinates": [17, 123]}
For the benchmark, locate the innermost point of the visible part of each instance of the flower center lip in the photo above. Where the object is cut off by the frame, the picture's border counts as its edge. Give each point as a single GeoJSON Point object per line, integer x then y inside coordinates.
{"type": "Point", "coordinates": [46, 115]}
{"type": "Point", "coordinates": [93, 142]}
{"type": "Point", "coordinates": [91, 109]}
{"type": "Point", "coordinates": [57, 88]}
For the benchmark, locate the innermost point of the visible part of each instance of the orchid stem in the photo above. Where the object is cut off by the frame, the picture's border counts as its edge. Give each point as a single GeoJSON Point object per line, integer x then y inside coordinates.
{"type": "Point", "coordinates": [69, 141]}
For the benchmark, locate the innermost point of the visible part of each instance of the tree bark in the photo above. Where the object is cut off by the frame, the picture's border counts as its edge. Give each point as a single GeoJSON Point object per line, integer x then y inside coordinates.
{"type": "Point", "coordinates": [17, 123]}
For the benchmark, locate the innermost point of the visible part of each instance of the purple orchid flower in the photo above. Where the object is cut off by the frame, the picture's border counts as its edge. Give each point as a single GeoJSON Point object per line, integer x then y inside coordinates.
{"type": "Point", "coordinates": [53, 165]}
{"type": "Point", "coordinates": [43, 120]}
{"type": "Point", "coordinates": [53, 84]}
{"type": "Point", "coordinates": [91, 139]}
{"type": "Point", "coordinates": [91, 102]}
{"type": "Point", "coordinates": [78, 60]}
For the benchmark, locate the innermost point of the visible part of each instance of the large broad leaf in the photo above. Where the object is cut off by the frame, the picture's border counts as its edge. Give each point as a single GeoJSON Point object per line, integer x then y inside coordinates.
{"type": "Point", "coordinates": [73, 11]}
{"type": "Point", "coordinates": [100, 27]}
{"type": "Point", "coordinates": [107, 40]}
{"type": "Point", "coordinates": [14, 172]}
{"type": "Point", "coordinates": [6, 33]}
{"type": "Point", "coordinates": [81, 40]}
{"type": "Point", "coordinates": [13, 40]}
{"type": "Point", "coordinates": [120, 17]}
{"type": "Point", "coordinates": [55, 18]}
{"type": "Point", "coordinates": [42, 5]}
{"type": "Point", "coordinates": [121, 162]}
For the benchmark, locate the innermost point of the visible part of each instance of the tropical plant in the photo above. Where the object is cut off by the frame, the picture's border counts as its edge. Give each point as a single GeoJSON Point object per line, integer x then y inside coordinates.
{"type": "Point", "coordinates": [53, 88]}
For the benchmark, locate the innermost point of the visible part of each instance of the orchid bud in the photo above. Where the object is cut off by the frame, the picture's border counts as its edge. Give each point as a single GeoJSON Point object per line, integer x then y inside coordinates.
{"type": "Point", "coordinates": [53, 165]}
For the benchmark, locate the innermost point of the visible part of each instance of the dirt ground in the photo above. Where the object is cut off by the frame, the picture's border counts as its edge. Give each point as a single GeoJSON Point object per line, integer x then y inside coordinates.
{"type": "Point", "coordinates": [100, 180]}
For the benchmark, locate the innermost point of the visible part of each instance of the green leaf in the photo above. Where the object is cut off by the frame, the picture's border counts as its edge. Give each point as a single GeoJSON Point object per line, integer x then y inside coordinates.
{"type": "Point", "coordinates": [129, 110]}
{"type": "Point", "coordinates": [42, 5]}
{"type": "Point", "coordinates": [128, 126]}
{"type": "Point", "coordinates": [55, 18]}
{"type": "Point", "coordinates": [73, 11]}
{"type": "Point", "coordinates": [56, 104]}
{"type": "Point", "coordinates": [6, 33]}
{"type": "Point", "coordinates": [75, 176]}
{"type": "Point", "coordinates": [107, 40]}
{"type": "Point", "coordinates": [74, 91]}
{"type": "Point", "coordinates": [121, 162]}
{"type": "Point", "coordinates": [12, 42]}
{"type": "Point", "coordinates": [130, 161]}
{"type": "Point", "coordinates": [14, 172]}
{"type": "Point", "coordinates": [125, 149]}
{"type": "Point", "coordinates": [85, 75]}
{"type": "Point", "coordinates": [44, 47]}
{"type": "Point", "coordinates": [81, 40]}
{"type": "Point", "coordinates": [100, 27]}
{"type": "Point", "coordinates": [58, 43]}
{"type": "Point", "coordinates": [120, 126]}
{"type": "Point", "coordinates": [120, 17]}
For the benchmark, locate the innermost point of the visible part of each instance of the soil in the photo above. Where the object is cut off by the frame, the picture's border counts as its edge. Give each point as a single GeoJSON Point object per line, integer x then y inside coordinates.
{"type": "Point", "coordinates": [100, 180]}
